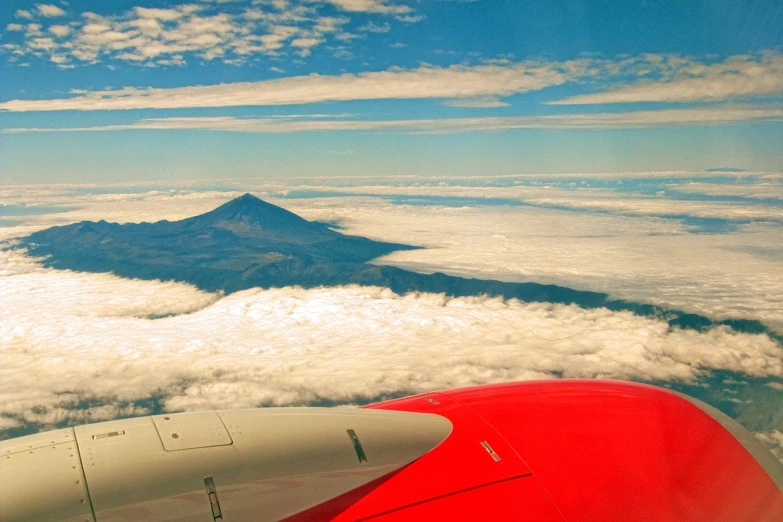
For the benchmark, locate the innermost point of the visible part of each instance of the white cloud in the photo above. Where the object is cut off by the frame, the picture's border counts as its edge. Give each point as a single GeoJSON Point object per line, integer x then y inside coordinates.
{"type": "Point", "coordinates": [14, 27]}
{"type": "Point", "coordinates": [372, 27]}
{"type": "Point", "coordinates": [208, 31]}
{"type": "Point", "coordinates": [637, 119]}
{"type": "Point", "coordinates": [646, 205]}
{"type": "Point", "coordinates": [158, 14]}
{"type": "Point", "coordinates": [220, 35]}
{"type": "Point", "coordinates": [347, 37]}
{"type": "Point", "coordinates": [773, 440]}
{"type": "Point", "coordinates": [641, 258]}
{"type": "Point", "coordinates": [611, 242]}
{"type": "Point", "coordinates": [774, 385]}
{"type": "Point", "coordinates": [772, 189]}
{"type": "Point", "coordinates": [410, 19]}
{"type": "Point", "coordinates": [305, 44]}
{"type": "Point", "coordinates": [140, 205]}
{"type": "Point", "coordinates": [329, 24]}
{"type": "Point", "coordinates": [149, 298]}
{"type": "Point", "coordinates": [45, 44]}
{"type": "Point", "coordinates": [49, 10]}
{"type": "Point", "coordinates": [6, 423]}
{"type": "Point", "coordinates": [33, 30]}
{"type": "Point", "coordinates": [342, 53]}
{"type": "Point", "coordinates": [369, 6]}
{"type": "Point", "coordinates": [60, 30]}
{"type": "Point", "coordinates": [477, 103]}
{"type": "Point", "coordinates": [67, 336]}
{"type": "Point", "coordinates": [456, 81]}
{"type": "Point", "coordinates": [687, 80]}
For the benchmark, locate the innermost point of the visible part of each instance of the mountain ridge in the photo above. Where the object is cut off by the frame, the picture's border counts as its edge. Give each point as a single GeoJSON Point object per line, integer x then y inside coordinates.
{"type": "Point", "coordinates": [253, 211]}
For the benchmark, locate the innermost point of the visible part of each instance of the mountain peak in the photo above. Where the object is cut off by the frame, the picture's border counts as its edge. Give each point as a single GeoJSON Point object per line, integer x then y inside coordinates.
{"type": "Point", "coordinates": [247, 203]}
{"type": "Point", "coordinates": [247, 196]}
{"type": "Point", "coordinates": [249, 211]}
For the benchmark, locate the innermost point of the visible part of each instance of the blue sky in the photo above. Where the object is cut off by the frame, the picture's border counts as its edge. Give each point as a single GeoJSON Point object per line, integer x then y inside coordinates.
{"type": "Point", "coordinates": [136, 90]}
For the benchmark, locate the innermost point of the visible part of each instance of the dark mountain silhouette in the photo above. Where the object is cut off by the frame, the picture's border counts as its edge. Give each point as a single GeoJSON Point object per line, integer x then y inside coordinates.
{"type": "Point", "coordinates": [249, 215]}
{"type": "Point", "coordinates": [248, 243]}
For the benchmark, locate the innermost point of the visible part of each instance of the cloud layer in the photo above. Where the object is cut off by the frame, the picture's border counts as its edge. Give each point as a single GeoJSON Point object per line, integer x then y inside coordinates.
{"type": "Point", "coordinates": [210, 31]}
{"type": "Point", "coordinates": [632, 245]}
{"type": "Point", "coordinates": [482, 84]}
{"type": "Point", "coordinates": [767, 189]}
{"type": "Point", "coordinates": [686, 80]}
{"type": "Point", "coordinates": [70, 340]}
{"type": "Point", "coordinates": [625, 120]}
{"type": "Point", "coordinates": [589, 239]}
{"type": "Point", "coordinates": [79, 347]}
{"type": "Point", "coordinates": [637, 246]}
{"type": "Point", "coordinates": [424, 82]}
{"type": "Point", "coordinates": [773, 440]}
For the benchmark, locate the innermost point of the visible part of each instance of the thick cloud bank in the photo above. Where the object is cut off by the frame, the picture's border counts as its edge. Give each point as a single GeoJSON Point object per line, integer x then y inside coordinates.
{"type": "Point", "coordinates": [773, 440]}
{"type": "Point", "coordinates": [84, 346]}
{"type": "Point", "coordinates": [643, 258]}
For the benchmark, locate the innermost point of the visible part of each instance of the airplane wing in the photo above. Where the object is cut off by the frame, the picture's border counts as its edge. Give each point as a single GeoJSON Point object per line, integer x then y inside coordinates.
{"type": "Point", "coordinates": [560, 450]}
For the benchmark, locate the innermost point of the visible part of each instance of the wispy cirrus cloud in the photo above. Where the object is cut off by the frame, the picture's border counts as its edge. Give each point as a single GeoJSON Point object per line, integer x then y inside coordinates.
{"type": "Point", "coordinates": [772, 189]}
{"type": "Point", "coordinates": [456, 81]}
{"type": "Point", "coordinates": [319, 123]}
{"type": "Point", "coordinates": [687, 80]}
{"type": "Point", "coordinates": [372, 27]}
{"type": "Point", "coordinates": [464, 85]}
{"type": "Point", "coordinates": [477, 103]}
